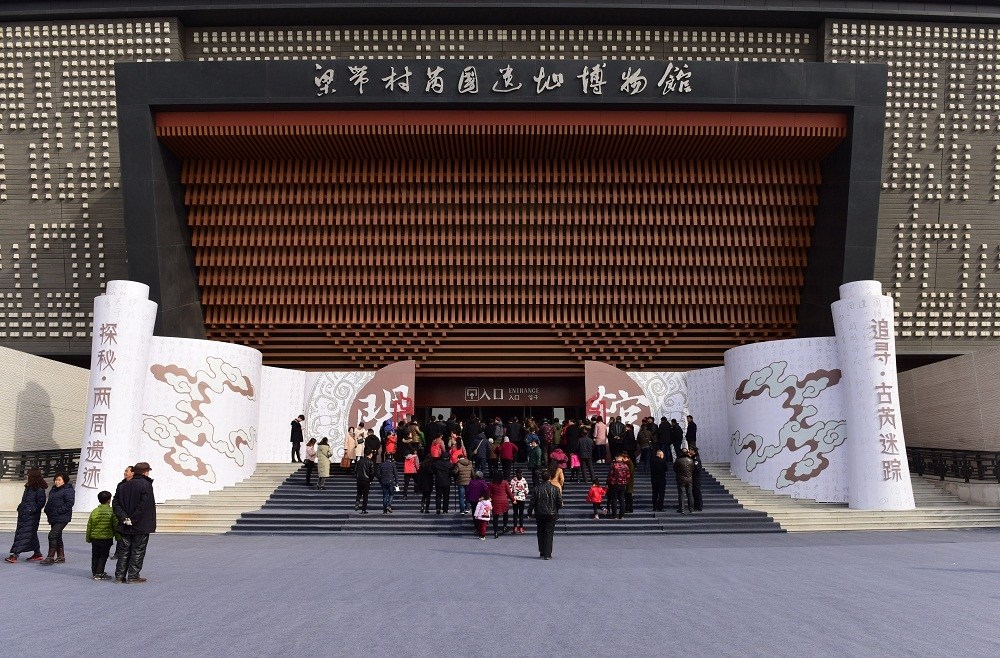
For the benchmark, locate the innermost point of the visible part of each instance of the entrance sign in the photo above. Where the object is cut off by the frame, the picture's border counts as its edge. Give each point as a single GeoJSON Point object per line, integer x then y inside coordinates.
{"type": "Point", "coordinates": [499, 80]}
{"type": "Point", "coordinates": [529, 392]}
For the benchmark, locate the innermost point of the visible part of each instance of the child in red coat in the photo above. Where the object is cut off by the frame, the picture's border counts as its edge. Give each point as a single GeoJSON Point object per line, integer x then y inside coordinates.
{"type": "Point", "coordinates": [596, 496]}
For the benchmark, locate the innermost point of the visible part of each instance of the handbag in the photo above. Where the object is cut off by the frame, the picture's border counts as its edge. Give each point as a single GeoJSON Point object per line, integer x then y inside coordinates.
{"type": "Point", "coordinates": [574, 461]}
{"type": "Point", "coordinates": [345, 462]}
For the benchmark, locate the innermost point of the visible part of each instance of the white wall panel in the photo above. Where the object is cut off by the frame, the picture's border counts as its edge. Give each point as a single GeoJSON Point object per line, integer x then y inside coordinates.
{"type": "Point", "coordinates": [282, 398]}
{"type": "Point", "coordinates": [707, 403]}
{"type": "Point", "coordinates": [787, 422]}
{"type": "Point", "coordinates": [199, 416]}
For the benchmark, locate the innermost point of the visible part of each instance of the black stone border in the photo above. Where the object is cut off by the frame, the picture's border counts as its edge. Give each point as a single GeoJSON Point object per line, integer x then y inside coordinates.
{"type": "Point", "coordinates": [158, 241]}
{"type": "Point", "coordinates": [543, 13]}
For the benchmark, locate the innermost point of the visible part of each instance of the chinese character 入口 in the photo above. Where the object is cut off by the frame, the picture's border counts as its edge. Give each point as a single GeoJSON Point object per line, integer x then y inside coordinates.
{"type": "Point", "coordinates": [886, 416]}
{"type": "Point", "coordinates": [633, 82]}
{"type": "Point", "coordinates": [102, 396]}
{"type": "Point", "coordinates": [91, 477]}
{"type": "Point", "coordinates": [435, 83]}
{"type": "Point", "coordinates": [675, 78]}
{"type": "Point", "coordinates": [547, 82]}
{"type": "Point", "coordinates": [402, 80]}
{"type": "Point", "coordinates": [507, 80]}
{"type": "Point", "coordinates": [95, 452]}
{"type": "Point", "coordinates": [106, 359]}
{"type": "Point", "coordinates": [468, 81]}
{"type": "Point", "coordinates": [359, 77]}
{"type": "Point", "coordinates": [890, 444]}
{"type": "Point", "coordinates": [891, 470]}
{"type": "Point", "coordinates": [98, 423]}
{"type": "Point", "coordinates": [324, 82]}
{"type": "Point", "coordinates": [884, 394]}
{"type": "Point", "coordinates": [109, 333]}
{"type": "Point", "coordinates": [593, 80]}
{"type": "Point", "coordinates": [880, 329]}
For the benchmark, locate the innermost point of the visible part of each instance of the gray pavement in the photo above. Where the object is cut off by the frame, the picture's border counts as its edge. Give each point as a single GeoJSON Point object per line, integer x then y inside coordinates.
{"type": "Point", "coordinates": [825, 594]}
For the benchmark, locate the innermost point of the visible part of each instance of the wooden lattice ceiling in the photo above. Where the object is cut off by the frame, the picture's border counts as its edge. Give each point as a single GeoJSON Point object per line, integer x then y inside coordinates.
{"type": "Point", "coordinates": [479, 242]}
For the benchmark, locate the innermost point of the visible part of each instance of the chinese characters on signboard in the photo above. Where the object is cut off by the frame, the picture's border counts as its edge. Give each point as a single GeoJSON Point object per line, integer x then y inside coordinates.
{"type": "Point", "coordinates": [886, 404]}
{"type": "Point", "coordinates": [396, 405]}
{"type": "Point", "coordinates": [479, 394]}
{"type": "Point", "coordinates": [499, 79]}
{"type": "Point", "coordinates": [93, 456]}
{"type": "Point", "coordinates": [610, 404]}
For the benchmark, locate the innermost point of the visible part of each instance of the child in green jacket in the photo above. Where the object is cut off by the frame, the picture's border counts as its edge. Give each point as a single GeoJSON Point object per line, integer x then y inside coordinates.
{"type": "Point", "coordinates": [102, 530]}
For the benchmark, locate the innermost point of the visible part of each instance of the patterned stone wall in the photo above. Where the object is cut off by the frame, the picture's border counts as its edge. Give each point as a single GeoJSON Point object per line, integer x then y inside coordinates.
{"type": "Point", "coordinates": [487, 42]}
{"type": "Point", "coordinates": [939, 234]}
{"type": "Point", "coordinates": [60, 212]}
{"type": "Point", "coordinates": [61, 228]}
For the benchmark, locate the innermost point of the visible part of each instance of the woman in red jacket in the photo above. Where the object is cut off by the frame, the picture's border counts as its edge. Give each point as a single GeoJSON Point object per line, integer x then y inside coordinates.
{"type": "Point", "coordinates": [501, 496]}
{"type": "Point", "coordinates": [411, 465]}
{"type": "Point", "coordinates": [507, 452]}
{"type": "Point", "coordinates": [437, 448]}
{"type": "Point", "coordinates": [455, 452]}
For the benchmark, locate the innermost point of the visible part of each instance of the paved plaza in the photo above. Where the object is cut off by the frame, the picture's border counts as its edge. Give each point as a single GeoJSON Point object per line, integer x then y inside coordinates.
{"type": "Point", "coordinates": [824, 594]}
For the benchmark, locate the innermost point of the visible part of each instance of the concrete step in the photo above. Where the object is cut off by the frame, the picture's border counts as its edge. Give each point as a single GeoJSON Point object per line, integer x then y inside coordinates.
{"type": "Point", "coordinates": [295, 509]}
{"type": "Point", "coordinates": [212, 513]}
{"type": "Point", "coordinates": [935, 509]}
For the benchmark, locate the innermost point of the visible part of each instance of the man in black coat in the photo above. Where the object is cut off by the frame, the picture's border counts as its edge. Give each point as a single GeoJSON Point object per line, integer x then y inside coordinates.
{"type": "Point", "coordinates": [696, 478]}
{"type": "Point", "coordinates": [585, 450]}
{"type": "Point", "coordinates": [692, 433]}
{"type": "Point", "coordinates": [135, 506]}
{"type": "Point", "coordinates": [658, 478]}
{"type": "Point", "coordinates": [425, 482]}
{"type": "Point", "coordinates": [297, 437]}
{"type": "Point", "coordinates": [684, 474]}
{"type": "Point", "coordinates": [128, 475]}
{"type": "Point", "coordinates": [515, 431]}
{"type": "Point", "coordinates": [452, 425]}
{"type": "Point", "coordinates": [364, 473]}
{"type": "Point", "coordinates": [372, 444]}
{"type": "Point", "coordinates": [442, 483]}
{"type": "Point", "coordinates": [469, 433]}
{"type": "Point", "coordinates": [616, 436]}
{"type": "Point", "coordinates": [434, 429]}
{"type": "Point", "coordinates": [676, 437]}
{"type": "Point", "coordinates": [572, 434]}
{"type": "Point", "coordinates": [547, 502]}
{"type": "Point", "coordinates": [663, 440]}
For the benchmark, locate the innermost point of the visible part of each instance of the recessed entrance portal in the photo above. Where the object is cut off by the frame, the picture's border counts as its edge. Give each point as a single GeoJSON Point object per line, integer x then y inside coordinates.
{"type": "Point", "coordinates": [507, 241]}
{"type": "Point", "coordinates": [492, 235]}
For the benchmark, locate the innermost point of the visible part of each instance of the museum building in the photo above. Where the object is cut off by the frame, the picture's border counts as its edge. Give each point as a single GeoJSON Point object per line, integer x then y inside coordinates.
{"type": "Point", "coordinates": [499, 192]}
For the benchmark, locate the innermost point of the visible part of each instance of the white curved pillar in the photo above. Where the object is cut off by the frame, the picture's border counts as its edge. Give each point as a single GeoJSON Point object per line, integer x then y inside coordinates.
{"type": "Point", "coordinates": [123, 331]}
{"type": "Point", "coordinates": [877, 473]}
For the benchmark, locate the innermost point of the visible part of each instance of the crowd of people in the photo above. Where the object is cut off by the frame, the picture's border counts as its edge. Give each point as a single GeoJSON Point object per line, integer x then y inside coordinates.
{"type": "Point", "coordinates": [477, 460]}
{"type": "Point", "coordinates": [128, 517]}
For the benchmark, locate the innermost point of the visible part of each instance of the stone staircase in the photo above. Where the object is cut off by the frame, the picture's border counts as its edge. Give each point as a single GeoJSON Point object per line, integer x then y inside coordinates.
{"type": "Point", "coordinates": [212, 513]}
{"type": "Point", "coordinates": [936, 509]}
{"type": "Point", "coordinates": [294, 509]}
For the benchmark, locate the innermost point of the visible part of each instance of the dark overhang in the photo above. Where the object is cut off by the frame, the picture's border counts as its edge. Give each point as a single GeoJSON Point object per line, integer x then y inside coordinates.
{"type": "Point", "coordinates": [748, 13]}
